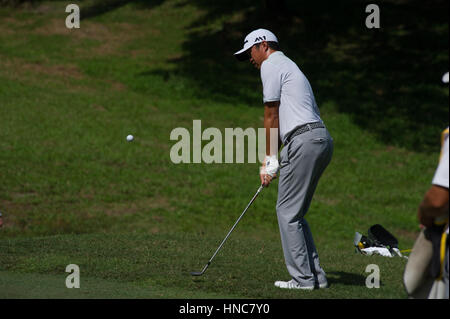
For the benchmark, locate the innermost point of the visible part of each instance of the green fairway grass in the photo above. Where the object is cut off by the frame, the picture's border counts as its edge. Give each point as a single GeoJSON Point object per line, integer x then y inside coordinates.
{"type": "Point", "coordinates": [159, 266]}
{"type": "Point", "coordinates": [74, 191]}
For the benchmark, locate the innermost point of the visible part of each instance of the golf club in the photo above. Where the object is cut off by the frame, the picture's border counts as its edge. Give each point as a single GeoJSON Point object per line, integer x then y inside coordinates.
{"type": "Point", "coordinates": [199, 273]}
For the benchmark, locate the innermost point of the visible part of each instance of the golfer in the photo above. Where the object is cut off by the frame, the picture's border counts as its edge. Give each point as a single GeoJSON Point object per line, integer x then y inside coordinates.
{"type": "Point", "coordinates": [290, 108]}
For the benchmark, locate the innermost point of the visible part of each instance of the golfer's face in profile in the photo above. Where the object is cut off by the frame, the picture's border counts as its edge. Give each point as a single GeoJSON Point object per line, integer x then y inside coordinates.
{"type": "Point", "coordinates": [256, 55]}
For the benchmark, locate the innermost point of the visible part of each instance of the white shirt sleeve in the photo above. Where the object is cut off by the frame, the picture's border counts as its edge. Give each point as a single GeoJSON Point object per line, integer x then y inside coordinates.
{"type": "Point", "coordinates": [271, 81]}
{"type": "Point", "coordinates": [441, 175]}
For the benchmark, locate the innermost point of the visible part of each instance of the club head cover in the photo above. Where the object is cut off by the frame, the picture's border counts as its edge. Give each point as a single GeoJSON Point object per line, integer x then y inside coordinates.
{"type": "Point", "coordinates": [380, 234]}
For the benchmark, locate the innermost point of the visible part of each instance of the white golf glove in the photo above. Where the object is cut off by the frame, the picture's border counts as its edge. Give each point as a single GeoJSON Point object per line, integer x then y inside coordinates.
{"type": "Point", "coordinates": [271, 166]}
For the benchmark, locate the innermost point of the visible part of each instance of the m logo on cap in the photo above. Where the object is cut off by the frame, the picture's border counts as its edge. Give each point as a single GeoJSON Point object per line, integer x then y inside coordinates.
{"type": "Point", "coordinates": [263, 38]}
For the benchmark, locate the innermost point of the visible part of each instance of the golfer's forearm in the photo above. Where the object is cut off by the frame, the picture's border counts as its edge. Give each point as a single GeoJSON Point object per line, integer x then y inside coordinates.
{"type": "Point", "coordinates": [271, 125]}
{"type": "Point", "coordinates": [272, 134]}
{"type": "Point", "coordinates": [434, 205]}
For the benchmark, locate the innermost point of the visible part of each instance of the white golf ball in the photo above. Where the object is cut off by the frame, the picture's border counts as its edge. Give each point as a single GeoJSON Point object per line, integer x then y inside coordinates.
{"type": "Point", "coordinates": [445, 78]}
{"type": "Point", "coordinates": [130, 138]}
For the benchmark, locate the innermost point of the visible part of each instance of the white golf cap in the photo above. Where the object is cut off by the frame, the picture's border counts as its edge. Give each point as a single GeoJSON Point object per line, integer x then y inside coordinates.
{"type": "Point", "coordinates": [445, 78]}
{"type": "Point", "coordinates": [254, 37]}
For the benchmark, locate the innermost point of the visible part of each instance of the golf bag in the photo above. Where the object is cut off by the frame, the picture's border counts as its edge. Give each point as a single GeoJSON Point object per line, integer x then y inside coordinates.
{"type": "Point", "coordinates": [379, 241]}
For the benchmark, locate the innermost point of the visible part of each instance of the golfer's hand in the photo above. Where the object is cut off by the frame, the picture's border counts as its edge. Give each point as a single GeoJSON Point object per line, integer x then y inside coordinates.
{"type": "Point", "coordinates": [425, 220]}
{"type": "Point", "coordinates": [266, 179]}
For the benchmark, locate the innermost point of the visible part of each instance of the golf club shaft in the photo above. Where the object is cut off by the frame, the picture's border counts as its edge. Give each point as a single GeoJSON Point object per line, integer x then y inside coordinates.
{"type": "Point", "coordinates": [237, 221]}
{"type": "Point", "coordinates": [232, 228]}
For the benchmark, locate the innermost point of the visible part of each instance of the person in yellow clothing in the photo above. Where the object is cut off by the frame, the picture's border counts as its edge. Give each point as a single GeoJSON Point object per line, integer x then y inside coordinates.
{"type": "Point", "coordinates": [426, 273]}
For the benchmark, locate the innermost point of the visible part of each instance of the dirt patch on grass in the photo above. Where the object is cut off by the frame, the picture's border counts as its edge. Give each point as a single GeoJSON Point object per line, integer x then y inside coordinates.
{"type": "Point", "coordinates": [14, 214]}
{"type": "Point", "coordinates": [45, 75]}
{"type": "Point", "coordinates": [58, 27]}
{"type": "Point", "coordinates": [117, 86]}
{"type": "Point", "coordinates": [19, 67]}
{"type": "Point", "coordinates": [67, 70]}
{"type": "Point", "coordinates": [109, 38]}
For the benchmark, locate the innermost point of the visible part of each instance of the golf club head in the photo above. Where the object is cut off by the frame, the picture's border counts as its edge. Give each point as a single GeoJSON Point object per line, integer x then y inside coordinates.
{"type": "Point", "coordinates": [397, 251]}
{"type": "Point", "coordinates": [380, 234]}
{"type": "Point", "coordinates": [196, 273]}
{"type": "Point", "coordinates": [199, 273]}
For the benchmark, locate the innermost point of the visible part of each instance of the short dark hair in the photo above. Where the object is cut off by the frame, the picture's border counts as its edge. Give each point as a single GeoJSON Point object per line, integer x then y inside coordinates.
{"type": "Point", "coordinates": [272, 44]}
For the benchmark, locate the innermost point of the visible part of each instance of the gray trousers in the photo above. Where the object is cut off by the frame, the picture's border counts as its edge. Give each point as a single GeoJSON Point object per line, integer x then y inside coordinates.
{"type": "Point", "coordinates": [302, 162]}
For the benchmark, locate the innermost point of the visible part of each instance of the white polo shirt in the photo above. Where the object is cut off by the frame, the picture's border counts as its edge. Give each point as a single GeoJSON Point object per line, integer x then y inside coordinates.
{"type": "Point", "coordinates": [441, 175]}
{"type": "Point", "coordinates": [283, 81]}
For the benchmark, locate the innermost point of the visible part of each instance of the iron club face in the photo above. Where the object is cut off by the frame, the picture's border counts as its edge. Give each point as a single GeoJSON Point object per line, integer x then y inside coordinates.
{"type": "Point", "coordinates": [199, 273]}
{"type": "Point", "coordinates": [196, 273]}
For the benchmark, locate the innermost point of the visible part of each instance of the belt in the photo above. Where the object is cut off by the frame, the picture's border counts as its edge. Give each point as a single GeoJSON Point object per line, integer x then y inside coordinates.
{"type": "Point", "coordinates": [302, 129]}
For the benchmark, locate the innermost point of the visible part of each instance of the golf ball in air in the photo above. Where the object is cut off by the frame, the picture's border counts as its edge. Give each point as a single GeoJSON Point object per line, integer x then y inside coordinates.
{"type": "Point", "coordinates": [130, 138]}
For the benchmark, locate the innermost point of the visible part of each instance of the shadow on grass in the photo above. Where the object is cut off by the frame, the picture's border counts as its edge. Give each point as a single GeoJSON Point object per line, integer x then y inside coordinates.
{"type": "Point", "coordinates": [388, 80]}
{"type": "Point", "coordinates": [345, 278]}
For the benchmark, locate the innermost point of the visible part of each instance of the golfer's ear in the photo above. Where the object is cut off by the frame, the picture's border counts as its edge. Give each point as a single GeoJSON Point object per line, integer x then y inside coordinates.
{"type": "Point", "coordinates": [265, 45]}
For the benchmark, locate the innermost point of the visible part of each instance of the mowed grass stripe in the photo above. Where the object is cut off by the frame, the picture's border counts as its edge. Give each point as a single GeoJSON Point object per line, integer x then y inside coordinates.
{"type": "Point", "coordinates": [40, 286]}
{"type": "Point", "coordinates": [160, 265]}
